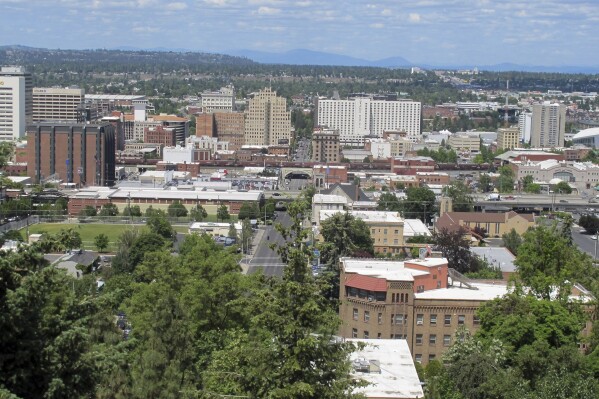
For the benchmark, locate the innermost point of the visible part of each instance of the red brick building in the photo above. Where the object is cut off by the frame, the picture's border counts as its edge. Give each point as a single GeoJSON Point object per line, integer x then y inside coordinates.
{"type": "Point", "coordinates": [73, 153]}
{"type": "Point", "coordinates": [326, 175]}
{"type": "Point", "coordinates": [411, 165]}
{"type": "Point", "coordinates": [160, 135]}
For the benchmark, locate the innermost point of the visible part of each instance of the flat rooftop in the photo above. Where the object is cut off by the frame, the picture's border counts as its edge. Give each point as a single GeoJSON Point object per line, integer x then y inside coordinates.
{"type": "Point", "coordinates": [392, 374]}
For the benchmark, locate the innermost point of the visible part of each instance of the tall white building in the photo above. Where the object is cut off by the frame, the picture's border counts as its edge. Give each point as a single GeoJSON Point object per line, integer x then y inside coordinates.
{"type": "Point", "coordinates": [548, 125]}
{"type": "Point", "coordinates": [359, 117]}
{"type": "Point", "coordinates": [16, 102]}
{"type": "Point", "coordinates": [56, 104]}
{"type": "Point", "coordinates": [525, 126]}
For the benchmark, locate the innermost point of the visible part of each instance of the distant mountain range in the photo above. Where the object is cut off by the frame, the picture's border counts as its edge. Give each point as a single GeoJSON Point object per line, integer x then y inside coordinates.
{"type": "Point", "coordinates": [310, 57]}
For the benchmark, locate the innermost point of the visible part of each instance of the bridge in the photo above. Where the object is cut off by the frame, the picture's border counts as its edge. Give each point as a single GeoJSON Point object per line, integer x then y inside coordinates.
{"type": "Point", "coordinates": [537, 203]}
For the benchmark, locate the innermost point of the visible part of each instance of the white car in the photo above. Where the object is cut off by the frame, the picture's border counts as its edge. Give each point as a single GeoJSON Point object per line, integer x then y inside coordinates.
{"type": "Point", "coordinates": [594, 237]}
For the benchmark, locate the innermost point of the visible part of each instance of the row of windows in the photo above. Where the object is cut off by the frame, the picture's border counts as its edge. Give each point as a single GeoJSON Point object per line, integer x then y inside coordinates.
{"type": "Point", "coordinates": [447, 319]}
{"type": "Point", "coordinates": [432, 339]}
{"type": "Point", "coordinates": [366, 335]}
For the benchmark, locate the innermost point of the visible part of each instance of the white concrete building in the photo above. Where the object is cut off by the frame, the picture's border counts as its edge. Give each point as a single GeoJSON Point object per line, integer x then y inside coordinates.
{"type": "Point", "coordinates": [581, 175]}
{"type": "Point", "coordinates": [359, 117]}
{"type": "Point", "coordinates": [177, 154]}
{"type": "Point", "coordinates": [16, 102]}
{"type": "Point", "coordinates": [56, 103]}
{"type": "Point", "coordinates": [218, 101]}
{"type": "Point", "coordinates": [525, 126]}
{"type": "Point", "coordinates": [326, 202]}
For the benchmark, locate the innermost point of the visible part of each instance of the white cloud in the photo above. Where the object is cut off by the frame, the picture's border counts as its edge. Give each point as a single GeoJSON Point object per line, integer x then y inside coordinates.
{"type": "Point", "coordinates": [145, 29]}
{"type": "Point", "coordinates": [218, 3]}
{"type": "Point", "coordinates": [414, 17]}
{"type": "Point", "coordinates": [177, 6]}
{"type": "Point", "coordinates": [377, 25]}
{"type": "Point", "coordinates": [268, 10]}
{"type": "Point", "coordinates": [387, 12]}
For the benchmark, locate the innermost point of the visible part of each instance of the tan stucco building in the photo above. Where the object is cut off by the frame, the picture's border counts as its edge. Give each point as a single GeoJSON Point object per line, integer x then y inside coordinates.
{"type": "Point", "coordinates": [494, 224]}
{"type": "Point", "coordinates": [508, 138]}
{"type": "Point", "coordinates": [267, 121]}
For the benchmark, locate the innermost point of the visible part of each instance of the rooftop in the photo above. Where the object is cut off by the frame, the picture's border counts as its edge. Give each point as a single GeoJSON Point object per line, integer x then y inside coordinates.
{"type": "Point", "coordinates": [367, 216]}
{"type": "Point", "coordinates": [387, 365]}
{"type": "Point", "coordinates": [389, 270]}
{"type": "Point", "coordinates": [496, 257]}
{"type": "Point", "coordinates": [483, 292]}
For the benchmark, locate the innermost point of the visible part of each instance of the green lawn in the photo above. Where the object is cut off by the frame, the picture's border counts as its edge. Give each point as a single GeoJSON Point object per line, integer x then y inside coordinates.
{"type": "Point", "coordinates": [90, 230]}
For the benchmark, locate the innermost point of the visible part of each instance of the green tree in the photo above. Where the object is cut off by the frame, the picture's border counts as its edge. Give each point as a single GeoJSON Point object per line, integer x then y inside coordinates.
{"type": "Point", "coordinates": [88, 211]}
{"type": "Point", "coordinates": [222, 213]}
{"type": "Point", "coordinates": [101, 241]}
{"type": "Point", "coordinates": [485, 183]}
{"type": "Point", "coordinates": [419, 203]}
{"type": "Point", "coordinates": [460, 195]}
{"type": "Point", "coordinates": [512, 241]}
{"type": "Point", "coordinates": [456, 248]}
{"type": "Point", "coordinates": [134, 210]}
{"type": "Point", "coordinates": [177, 209]}
{"type": "Point", "coordinates": [563, 188]}
{"type": "Point", "coordinates": [69, 238]}
{"type": "Point", "coordinates": [590, 223]}
{"type": "Point", "coordinates": [533, 188]}
{"type": "Point", "coordinates": [121, 263]}
{"type": "Point", "coordinates": [505, 181]}
{"type": "Point", "coordinates": [248, 211]}
{"type": "Point", "coordinates": [109, 209]}
{"type": "Point", "coordinates": [158, 224]}
{"type": "Point", "coordinates": [198, 213]}
{"type": "Point", "coordinates": [548, 263]}
{"type": "Point", "coordinates": [232, 232]}
{"type": "Point", "coordinates": [389, 202]}
{"type": "Point", "coordinates": [145, 243]}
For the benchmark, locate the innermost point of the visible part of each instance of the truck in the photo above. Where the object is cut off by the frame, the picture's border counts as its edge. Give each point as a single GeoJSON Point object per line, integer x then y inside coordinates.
{"type": "Point", "coordinates": [494, 197]}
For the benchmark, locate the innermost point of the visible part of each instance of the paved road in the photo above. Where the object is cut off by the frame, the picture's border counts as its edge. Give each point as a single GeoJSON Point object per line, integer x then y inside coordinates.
{"type": "Point", "coordinates": [584, 241]}
{"type": "Point", "coordinates": [265, 258]}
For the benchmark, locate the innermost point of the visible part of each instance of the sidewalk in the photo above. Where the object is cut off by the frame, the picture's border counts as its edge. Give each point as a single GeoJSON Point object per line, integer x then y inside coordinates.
{"type": "Point", "coordinates": [247, 258]}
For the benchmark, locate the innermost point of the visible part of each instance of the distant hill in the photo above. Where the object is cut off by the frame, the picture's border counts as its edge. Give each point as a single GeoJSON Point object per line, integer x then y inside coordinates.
{"type": "Point", "coordinates": [309, 57]}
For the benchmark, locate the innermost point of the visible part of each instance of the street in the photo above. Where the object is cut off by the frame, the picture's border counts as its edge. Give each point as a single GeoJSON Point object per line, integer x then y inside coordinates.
{"type": "Point", "coordinates": [264, 257]}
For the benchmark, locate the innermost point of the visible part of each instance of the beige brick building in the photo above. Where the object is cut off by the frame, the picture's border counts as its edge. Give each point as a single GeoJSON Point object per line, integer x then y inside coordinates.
{"type": "Point", "coordinates": [464, 142]}
{"type": "Point", "coordinates": [508, 138]}
{"type": "Point", "coordinates": [267, 121]}
{"type": "Point", "coordinates": [56, 104]}
{"type": "Point", "coordinates": [494, 224]}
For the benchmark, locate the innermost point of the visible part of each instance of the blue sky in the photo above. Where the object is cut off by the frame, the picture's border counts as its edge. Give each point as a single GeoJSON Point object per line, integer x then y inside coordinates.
{"type": "Point", "coordinates": [440, 32]}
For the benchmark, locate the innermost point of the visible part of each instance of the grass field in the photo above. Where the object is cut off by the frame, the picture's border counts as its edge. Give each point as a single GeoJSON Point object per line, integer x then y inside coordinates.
{"type": "Point", "coordinates": [89, 231]}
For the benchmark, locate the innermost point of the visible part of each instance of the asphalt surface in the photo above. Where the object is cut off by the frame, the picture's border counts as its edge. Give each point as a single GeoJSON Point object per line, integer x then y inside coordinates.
{"type": "Point", "coordinates": [265, 258]}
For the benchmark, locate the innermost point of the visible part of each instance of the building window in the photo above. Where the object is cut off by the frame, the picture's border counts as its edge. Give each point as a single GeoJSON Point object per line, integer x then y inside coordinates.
{"type": "Point", "coordinates": [446, 340]}
{"type": "Point", "coordinates": [447, 319]}
{"type": "Point", "coordinates": [379, 335]}
{"type": "Point", "coordinates": [434, 319]}
{"type": "Point", "coordinates": [366, 316]}
{"type": "Point", "coordinates": [431, 357]}
{"type": "Point", "coordinates": [432, 339]}
{"type": "Point", "coordinates": [419, 319]}
{"type": "Point", "coordinates": [476, 320]}
{"type": "Point", "coordinates": [399, 319]}
{"type": "Point", "coordinates": [461, 319]}
{"type": "Point", "coordinates": [418, 339]}
{"type": "Point", "coordinates": [355, 314]}
{"type": "Point", "coordinates": [380, 318]}
{"type": "Point", "coordinates": [420, 288]}
{"type": "Point", "coordinates": [418, 358]}
{"type": "Point", "coordinates": [365, 334]}
{"type": "Point", "coordinates": [354, 333]}
{"type": "Point", "coordinates": [439, 284]}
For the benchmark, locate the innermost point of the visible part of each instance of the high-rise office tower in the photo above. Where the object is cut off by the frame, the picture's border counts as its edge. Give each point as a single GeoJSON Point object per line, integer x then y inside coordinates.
{"type": "Point", "coordinates": [365, 116]}
{"type": "Point", "coordinates": [548, 125]}
{"type": "Point", "coordinates": [57, 104]}
{"type": "Point", "coordinates": [16, 102]}
{"type": "Point", "coordinates": [267, 121]}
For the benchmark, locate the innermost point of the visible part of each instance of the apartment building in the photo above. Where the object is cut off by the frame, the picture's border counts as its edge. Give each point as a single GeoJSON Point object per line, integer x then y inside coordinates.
{"type": "Point", "coordinates": [74, 153]}
{"type": "Point", "coordinates": [160, 135]}
{"type": "Point", "coordinates": [57, 104]}
{"type": "Point", "coordinates": [325, 145]}
{"type": "Point", "coordinates": [267, 121]}
{"type": "Point", "coordinates": [525, 126]}
{"type": "Point", "coordinates": [413, 300]}
{"type": "Point", "coordinates": [358, 117]}
{"type": "Point", "coordinates": [16, 102]}
{"type": "Point", "coordinates": [548, 125]}
{"type": "Point", "coordinates": [508, 138]}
